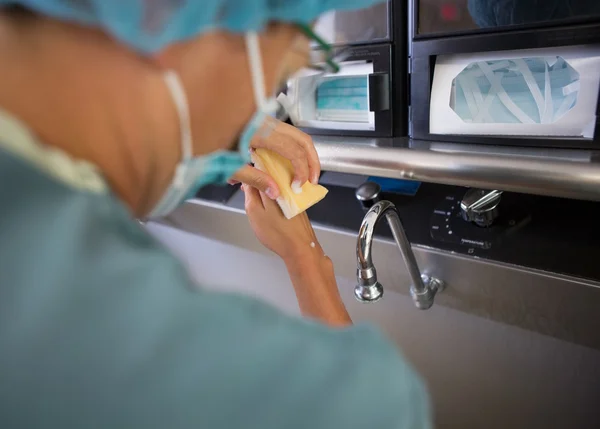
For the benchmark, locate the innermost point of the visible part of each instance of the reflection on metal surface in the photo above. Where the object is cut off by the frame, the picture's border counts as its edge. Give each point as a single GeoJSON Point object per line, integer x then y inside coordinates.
{"type": "Point", "coordinates": [517, 173]}
{"type": "Point", "coordinates": [576, 155]}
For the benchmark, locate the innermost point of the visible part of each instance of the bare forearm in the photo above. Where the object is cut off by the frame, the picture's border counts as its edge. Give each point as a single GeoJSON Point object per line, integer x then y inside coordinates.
{"type": "Point", "coordinates": [316, 289]}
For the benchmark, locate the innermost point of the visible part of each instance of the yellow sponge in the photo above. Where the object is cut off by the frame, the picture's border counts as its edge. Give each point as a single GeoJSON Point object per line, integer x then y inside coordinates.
{"type": "Point", "coordinates": [282, 171]}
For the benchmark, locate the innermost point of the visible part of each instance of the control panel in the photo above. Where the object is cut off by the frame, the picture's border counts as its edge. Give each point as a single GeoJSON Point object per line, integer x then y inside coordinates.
{"type": "Point", "coordinates": [475, 218]}
{"type": "Point", "coordinates": [550, 234]}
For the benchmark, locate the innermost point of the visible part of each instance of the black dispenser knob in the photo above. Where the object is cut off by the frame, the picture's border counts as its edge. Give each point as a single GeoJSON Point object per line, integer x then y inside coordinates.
{"type": "Point", "coordinates": [368, 194]}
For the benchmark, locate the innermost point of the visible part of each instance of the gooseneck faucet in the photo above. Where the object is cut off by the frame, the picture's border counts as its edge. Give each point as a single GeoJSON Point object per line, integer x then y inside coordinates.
{"type": "Point", "coordinates": [368, 289]}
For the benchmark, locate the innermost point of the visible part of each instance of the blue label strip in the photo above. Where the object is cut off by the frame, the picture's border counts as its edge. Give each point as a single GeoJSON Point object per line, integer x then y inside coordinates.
{"type": "Point", "coordinates": [397, 186]}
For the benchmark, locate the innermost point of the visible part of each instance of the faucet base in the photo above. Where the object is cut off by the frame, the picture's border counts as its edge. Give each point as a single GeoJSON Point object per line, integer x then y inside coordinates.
{"type": "Point", "coordinates": [424, 299]}
{"type": "Point", "coordinates": [368, 293]}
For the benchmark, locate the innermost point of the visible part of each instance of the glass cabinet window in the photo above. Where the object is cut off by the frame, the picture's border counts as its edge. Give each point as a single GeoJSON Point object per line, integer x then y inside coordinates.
{"type": "Point", "coordinates": [355, 26]}
{"type": "Point", "coordinates": [444, 16]}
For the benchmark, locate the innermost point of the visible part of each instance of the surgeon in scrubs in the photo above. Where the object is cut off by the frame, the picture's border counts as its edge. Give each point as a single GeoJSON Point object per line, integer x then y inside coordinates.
{"type": "Point", "coordinates": [115, 110]}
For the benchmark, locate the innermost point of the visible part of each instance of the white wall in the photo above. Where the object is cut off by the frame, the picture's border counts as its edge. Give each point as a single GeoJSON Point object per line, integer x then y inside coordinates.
{"type": "Point", "coordinates": [481, 374]}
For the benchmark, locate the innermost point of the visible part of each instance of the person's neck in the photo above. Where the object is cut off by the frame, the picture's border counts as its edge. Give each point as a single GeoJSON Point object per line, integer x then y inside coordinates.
{"type": "Point", "coordinates": [79, 92]}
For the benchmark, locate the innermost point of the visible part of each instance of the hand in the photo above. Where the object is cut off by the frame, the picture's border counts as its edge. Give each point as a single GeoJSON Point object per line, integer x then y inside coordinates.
{"type": "Point", "coordinates": [289, 142]}
{"type": "Point", "coordinates": [291, 239]}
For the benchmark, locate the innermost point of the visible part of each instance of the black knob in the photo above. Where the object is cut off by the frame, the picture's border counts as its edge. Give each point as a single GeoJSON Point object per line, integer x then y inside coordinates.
{"type": "Point", "coordinates": [368, 194]}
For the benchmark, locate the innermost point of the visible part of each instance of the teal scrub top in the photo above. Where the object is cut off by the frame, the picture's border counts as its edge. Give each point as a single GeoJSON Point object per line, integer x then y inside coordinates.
{"type": "Point", "coordinates": [101, 327]}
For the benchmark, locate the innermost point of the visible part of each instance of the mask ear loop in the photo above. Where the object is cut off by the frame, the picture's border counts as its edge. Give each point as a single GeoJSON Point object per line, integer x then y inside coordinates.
{"type": "Point", "coordinates": [185, 130]}
{"type": "Point", "coordinates": [258, 83]}
{"type": "Point", "coordinates": [256, 69]}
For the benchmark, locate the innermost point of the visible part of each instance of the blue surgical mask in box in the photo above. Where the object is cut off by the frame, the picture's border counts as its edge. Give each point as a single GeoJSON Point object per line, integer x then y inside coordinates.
{"type": "Point", "coordinates": [343, 99]}
{"type": "Point", "coordinates": [523, 90]}
{"type": "Point", "coordinates": [546, 92]}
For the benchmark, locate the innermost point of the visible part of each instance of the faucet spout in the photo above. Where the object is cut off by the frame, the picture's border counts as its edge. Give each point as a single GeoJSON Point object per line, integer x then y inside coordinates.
{"type": "Point", "coordinates": [368, 289]}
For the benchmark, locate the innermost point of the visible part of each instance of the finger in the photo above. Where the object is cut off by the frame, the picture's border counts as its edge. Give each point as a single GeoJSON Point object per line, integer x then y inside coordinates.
{"type": "Point", "coordinates": [314, 165]}
{"type": "Point", "coordinates": [267, 202]}
{"type": "Point", "coordinates": [252, 199]}
{"type": "Point", "coordinates": [232, 180]}
{"type": "Point", "coordinates": [257, 179]}
{"type": "Point", "coordinates": [271, 207]}
{"type": "Point", "coordinates": [287, 147]}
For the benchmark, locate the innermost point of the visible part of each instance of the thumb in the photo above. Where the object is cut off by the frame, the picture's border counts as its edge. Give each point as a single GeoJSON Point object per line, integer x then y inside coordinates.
{"type": "Point", "coordinates": [255, 178]}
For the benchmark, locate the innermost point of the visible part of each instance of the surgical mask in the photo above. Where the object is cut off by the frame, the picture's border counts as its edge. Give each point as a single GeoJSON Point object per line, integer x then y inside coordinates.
{"type": "Point", "coordinates": [342, 99]}
{"type": "Point", "coordinates": [317, 93]}
{"type": "Point", "coordinates": [522, 90]}
{"type": "Point", "coordinates": [192, 173]}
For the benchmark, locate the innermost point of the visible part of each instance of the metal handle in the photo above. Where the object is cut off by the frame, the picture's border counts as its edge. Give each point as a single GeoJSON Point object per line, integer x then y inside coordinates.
{"type": "Point", "coordinates": [480, 206]}
{"type": "Point", "coordinates": [579, 179]}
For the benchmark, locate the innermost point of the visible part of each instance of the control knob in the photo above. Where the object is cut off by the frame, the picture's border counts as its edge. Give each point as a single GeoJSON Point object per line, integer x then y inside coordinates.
{"type": "Point", "coordinates": [480, 206]}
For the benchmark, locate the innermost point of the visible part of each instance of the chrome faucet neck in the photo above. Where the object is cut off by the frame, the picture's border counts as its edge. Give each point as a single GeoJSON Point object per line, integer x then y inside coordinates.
{"type": "Point", "coordinates": [368, 289]}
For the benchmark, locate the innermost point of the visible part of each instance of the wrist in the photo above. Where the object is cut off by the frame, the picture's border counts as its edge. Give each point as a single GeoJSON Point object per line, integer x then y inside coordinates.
{"type": "Point", "coordinates": [308, 260]}
{"type": "Point", "coordinates": [314, 282]}
{"type": "Point", "coordinates": [307, 254]}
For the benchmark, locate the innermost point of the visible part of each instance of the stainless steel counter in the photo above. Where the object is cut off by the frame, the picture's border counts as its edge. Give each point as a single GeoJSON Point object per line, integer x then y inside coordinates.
{"type": "Point", "coordinates": [553, 172]}
{"type": "Point", "coordinates": [559, 306]}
